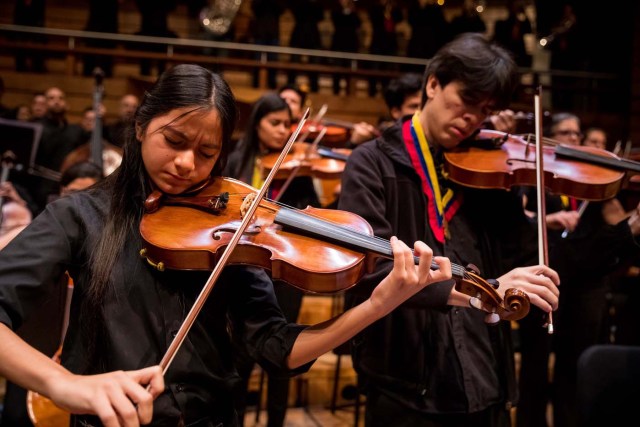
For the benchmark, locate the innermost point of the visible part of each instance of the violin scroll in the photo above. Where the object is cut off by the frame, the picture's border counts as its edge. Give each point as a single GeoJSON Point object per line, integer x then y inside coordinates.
{"type": "Point", "coordinates": [484, 296]}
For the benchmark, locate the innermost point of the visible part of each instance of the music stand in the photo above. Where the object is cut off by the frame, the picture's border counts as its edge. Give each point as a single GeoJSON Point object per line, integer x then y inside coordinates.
{"type": "Point", "coordinates": [21, 139]}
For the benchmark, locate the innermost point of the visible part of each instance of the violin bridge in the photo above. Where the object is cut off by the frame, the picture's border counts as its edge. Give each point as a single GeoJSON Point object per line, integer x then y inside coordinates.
{"type": "Point", "coordinates": [246, 204]}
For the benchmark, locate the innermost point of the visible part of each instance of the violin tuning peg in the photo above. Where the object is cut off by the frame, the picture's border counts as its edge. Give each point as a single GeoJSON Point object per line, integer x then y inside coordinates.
{"type": "Point", "coordinates": [475, 303]}
{"type": "Point", "coordinates": [473, 268]}
{"type": "Point", "coordinates": [492, 318]}
{"type": "Point", "coordinates": [494, 283]}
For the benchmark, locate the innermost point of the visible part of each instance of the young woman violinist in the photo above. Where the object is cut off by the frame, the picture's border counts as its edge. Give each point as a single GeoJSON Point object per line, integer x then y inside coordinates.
{"type": "Point", "coordinates": [267, 133]}
{"type": "Point", "coordinates": [124, 312]}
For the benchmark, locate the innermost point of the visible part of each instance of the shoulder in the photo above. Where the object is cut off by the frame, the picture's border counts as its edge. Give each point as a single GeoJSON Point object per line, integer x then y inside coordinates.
{"type": "Point", "coordinates": [84, 206]}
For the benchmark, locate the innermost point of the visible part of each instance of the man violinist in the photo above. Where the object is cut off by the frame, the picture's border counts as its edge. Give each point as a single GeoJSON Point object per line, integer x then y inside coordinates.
{"type": "Point", "coordinates": [435, 361]}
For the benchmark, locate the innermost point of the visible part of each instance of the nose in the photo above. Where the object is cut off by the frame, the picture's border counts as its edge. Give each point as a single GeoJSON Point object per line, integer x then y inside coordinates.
{"type": "Point", "coordinates": [473, 117]}
{"type": "Point", "coordinates": [282, 128]}
{"type": "Point", "coordinates": [185, 162]}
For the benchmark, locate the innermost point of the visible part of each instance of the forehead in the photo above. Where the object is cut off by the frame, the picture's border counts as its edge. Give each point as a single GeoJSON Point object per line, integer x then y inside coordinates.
{"type": "Point", "coordinates": [189, 121]}
{"type": "Point", "coordinates": [290, 94]}
{"type": "Point", "coordinates": [54, 93]}
{"type": "Point", "coordinates": [567, 123]}
{"type": "Point", "coordinates": [456, 88]}
{"type": "Point", "coordinates": [278, 114]}
{"type": "Point", "coordinates": [129, 100]}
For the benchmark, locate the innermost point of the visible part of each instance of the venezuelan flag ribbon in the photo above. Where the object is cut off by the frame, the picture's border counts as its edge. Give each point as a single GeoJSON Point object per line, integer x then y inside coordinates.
{"type": "Point", "coordinates": [441, 207]}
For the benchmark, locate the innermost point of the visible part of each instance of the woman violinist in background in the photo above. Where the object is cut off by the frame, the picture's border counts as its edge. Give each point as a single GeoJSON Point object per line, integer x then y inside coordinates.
{"type": "Point", "coordinates": [124, 312]}
{"type": "Point", "coordinates": [267, 132]}
{"type": "Point", "coordinates": [339, 133]}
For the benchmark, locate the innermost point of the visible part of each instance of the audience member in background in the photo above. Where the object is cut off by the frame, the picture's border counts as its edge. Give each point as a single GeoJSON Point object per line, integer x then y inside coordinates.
{"type": "Point", "coordinates": [4, 110]}
{"type": "Point", "coordinates": [346, 24]}
{"type": "Point", "coordinates": [103, 18]}
{"type": "Point", "coordinates": [429, 29]}
{"type": "Point", "coordinates": [469, 20]}
{"type": "Point", "coordinates": [510, 32]}
{"type": "Point", "coordinates": [384, 15]}
{"type": "Point", "coordinates": [306, 35]}
{"type": "Point", "coordinates": [23, 113]}
{"type": "Point", "coordinates": [38, 106]}
{"type": "Point", "coordinates": [267, 132]}
{"type": "Point", "coordinates": [29, 13]}
{"type": "Point", "coordinates": [154, 21]}
{"type": "Point", "coordinates": [266, 31]}
{"type": "Point", "coordinates": [127, 107]}
{"type": "Point", "coordinates": [595, 137]}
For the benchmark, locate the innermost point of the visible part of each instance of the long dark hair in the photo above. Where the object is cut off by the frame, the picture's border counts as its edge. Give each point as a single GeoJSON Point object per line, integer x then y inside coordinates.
{"type": "Point", "coordinates": [179, 87]}
{"type": "Point", "coordinates": [249, 146]}
{"type": "Point", "coordinates": [486, 69]}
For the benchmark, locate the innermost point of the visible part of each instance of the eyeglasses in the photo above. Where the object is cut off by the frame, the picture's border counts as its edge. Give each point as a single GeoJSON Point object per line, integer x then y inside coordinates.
{"type": "Point", "coordinates": [567, 132]}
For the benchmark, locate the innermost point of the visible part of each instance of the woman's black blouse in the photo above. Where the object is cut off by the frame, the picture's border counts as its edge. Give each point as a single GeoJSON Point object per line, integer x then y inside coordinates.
{"type": "Point", "coordinates": [144, 309]}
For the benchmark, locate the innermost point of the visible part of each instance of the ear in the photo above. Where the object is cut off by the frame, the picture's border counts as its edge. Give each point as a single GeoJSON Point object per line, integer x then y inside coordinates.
{"type": "Point", "coordinates": [395, 112]}
{"type": "Point", "coordinates": [431, 86]}
{"type": "Point", "coordinates": [139, 132]}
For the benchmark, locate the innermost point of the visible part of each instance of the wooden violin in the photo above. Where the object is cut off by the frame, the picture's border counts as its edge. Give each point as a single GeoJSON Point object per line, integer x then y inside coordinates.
{"type": "Point", "coordinates": [337, 133]}
{"type": "Point", "coordinates": [495, 159]}
{"type": "Point", "coordinates": [42, 411]}
{"type": "Point", "coordinates": [316, 250]}
{"type": "Point", "coordinates": [319, 162]}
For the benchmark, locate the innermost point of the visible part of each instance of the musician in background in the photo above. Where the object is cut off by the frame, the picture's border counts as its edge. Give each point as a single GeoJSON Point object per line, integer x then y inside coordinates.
{"type": "Point", "coordinates": [595, 137]}
{"type": "Point", "coordinates": [38, 106]}
{"type": "Point", "coordinates": [296, 99]}
{"type": "Point", "coordinates": [267, 132]}
{"type": "Point", "coordinates": [583, 248]}
{"type": "Point", "coordinates": [44, 330]}
{"type": "Point", "coordinates": [15, 213]}
{"type": "Point", "coordinates": [59, 138]}
{"type": "Point", "coordinates": [402, 96]}
{"type": "Point", "coordinates": [114, 132]}
{"type": "Point", "coordinates": [88, 122]}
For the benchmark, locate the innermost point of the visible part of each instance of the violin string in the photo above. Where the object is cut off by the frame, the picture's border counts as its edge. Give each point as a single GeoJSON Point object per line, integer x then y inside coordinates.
{"type": "Point", "coordinates": [324, 227]}
{"type": "Point", "coordinates": [549, 141]}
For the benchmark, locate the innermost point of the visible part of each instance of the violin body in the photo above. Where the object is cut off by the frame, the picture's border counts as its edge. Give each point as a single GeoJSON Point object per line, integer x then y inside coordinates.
{"type": "Point", "coordinates": [44, 413]}
{"type": "Point", "coordinates": [512, 163]}
{"type": "Point", "coordinates": [316, 250]}
{"type": "Point", "coordinates": [193, 239]}
{"type": "Point", "coordinates": [335, 135]}
{"type": "Point", "coordinates": [309, 162]}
